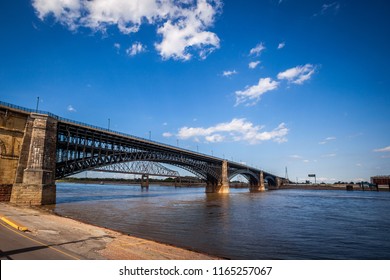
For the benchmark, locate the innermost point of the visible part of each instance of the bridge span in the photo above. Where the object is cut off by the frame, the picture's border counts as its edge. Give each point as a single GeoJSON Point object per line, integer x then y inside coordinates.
{"type": "Point", "coordinates": [38, 147]}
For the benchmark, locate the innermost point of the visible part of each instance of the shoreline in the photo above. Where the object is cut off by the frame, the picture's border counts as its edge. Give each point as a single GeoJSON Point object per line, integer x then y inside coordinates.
{"type": "Point", "coordinates": [92, 242]}
{"type": "Point", "coordinates": [341, 187]}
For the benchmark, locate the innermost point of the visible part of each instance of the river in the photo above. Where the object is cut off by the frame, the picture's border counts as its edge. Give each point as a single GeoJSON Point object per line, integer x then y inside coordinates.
{"type": "Point", "coordinates": [281, 224]}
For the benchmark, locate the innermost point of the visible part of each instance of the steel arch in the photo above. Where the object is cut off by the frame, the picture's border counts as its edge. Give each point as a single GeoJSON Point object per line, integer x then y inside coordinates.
{"type": "Point", "coordinates": [249, 175]}
{"type": "Point", "coordinates": [139, 167]}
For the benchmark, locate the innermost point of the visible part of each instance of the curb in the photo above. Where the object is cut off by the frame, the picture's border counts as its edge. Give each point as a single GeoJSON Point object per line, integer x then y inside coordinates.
{"type": "Point", "coordinates": [13, 223]}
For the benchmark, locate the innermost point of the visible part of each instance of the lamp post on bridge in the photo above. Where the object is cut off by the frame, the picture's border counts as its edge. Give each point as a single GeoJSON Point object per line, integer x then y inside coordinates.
{"type": "Point", "coordinates": [37, 105]}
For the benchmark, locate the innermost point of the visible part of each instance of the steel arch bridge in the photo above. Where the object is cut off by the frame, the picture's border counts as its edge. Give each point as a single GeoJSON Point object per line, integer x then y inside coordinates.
{"type": "Point", "coordinates": [81, 147]}
{"type": "Point", "coordinates": [45, 147]}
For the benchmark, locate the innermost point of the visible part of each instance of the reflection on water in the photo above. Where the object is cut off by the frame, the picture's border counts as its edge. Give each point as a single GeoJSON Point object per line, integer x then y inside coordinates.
{"type": "Point", "coordinates": [284, 224]}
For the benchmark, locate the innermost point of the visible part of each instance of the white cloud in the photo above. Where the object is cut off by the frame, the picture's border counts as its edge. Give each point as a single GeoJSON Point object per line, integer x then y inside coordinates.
{"type": "Point", "coordinates": [126, 15]}
{"type": "Point", "coordinates": [385, 149]}
{"type": "Point", "coordinates": [329, 155]}
{"type": "Point", "coordinates": [117, 46]}
{"type": "Point", "coordinates": [188, 32]}
{"type": "Point", "coordinates": [296, 156]}
{"type": "Point", "coordinates": [253, 64]}
{"type": "Point", "coordinates": [135, 49]}
{"type": "Point", "coordinates": [215, 138]}
{"type": "Point", "coordinates": [229, 73]}
{"type": "Point", "coordinates": [281, 45]}
{"type": "Point", "coordinates": [298, 75]}
{"type": "Point", "coordinates": [251, 95]}
{"type": "Point", "coordinates": [235, 130]}
{"type": "Point", "coordinates": [335, 7]}
{"type": "Point", "coordinates": [71, 108]}
{"type": "Point", "coordinates": [182, 24]}
{"type": "Point", "coordinates": [67, 12]}
{"type": "Point", "coordinates": [329, 8]}
{"type": "Point", "coordinates": [167, 134]}
{"type": "Point", "coordinates": [327, 140]}
{"type": "Point", "coordinates": [257, 50]}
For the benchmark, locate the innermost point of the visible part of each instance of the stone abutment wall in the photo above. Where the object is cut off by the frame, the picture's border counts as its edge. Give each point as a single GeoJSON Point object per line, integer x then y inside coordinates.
{"type": "Point", "coordinates": [27, 158]}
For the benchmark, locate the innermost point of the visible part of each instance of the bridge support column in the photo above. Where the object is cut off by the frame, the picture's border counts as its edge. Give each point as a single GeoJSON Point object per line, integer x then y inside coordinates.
{"type": "Point", "coordinates": [145, 181]}
{"type": "Point", "coordinates": [222, 186]}
{"type": "Point", "coordinates": [279, 182]}
{"type": "Point", "coordinates": [35, 173]}
{"type": "Point", "coordinates": [260, 186]}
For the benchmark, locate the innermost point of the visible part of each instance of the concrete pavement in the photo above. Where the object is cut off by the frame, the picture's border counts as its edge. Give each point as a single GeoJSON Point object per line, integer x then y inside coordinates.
{"type": "Point", "coordinates": [18, 245]}
{"type": "Point", "coordinates": [53, 237]}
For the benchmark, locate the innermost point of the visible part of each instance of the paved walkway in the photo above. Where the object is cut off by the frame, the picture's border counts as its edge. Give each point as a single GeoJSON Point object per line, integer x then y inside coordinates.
{"type": "Point", "coordinates": [73, 239]}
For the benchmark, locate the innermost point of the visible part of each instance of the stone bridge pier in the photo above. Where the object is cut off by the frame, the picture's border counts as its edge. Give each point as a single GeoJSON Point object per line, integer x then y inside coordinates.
{"type": "Point", "coordinates": [145, 181]}
{"type": "Point", "coordinates": [222, 184]}
{"type": "Point", "coordinates": [35, 178]}
{"type": "Point", "coordinates": [28, 158]}
{"type": "Point", "coordinates": [259, 187]}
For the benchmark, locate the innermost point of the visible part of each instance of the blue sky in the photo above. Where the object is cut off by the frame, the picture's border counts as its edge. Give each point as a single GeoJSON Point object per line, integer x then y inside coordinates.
{"type": "Point", "coordinates": [272, 83]}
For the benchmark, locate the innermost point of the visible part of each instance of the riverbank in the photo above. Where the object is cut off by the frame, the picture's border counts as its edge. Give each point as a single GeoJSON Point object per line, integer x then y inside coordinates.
{"type": "Point", "coordinates": [92, 242]}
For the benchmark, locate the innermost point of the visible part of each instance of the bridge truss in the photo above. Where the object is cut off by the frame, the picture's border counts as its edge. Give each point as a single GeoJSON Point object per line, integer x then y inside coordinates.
{"type": "Point", "coordinates": [141, 168]}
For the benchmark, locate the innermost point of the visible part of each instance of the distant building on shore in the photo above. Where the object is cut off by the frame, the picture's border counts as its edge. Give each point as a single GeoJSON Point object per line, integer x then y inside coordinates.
{"type": "Point", "coordinates": [380, 180]}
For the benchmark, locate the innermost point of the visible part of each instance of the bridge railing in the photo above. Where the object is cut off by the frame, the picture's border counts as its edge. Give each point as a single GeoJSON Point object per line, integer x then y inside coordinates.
{"type": "Point", "coordinates": [20, 108]}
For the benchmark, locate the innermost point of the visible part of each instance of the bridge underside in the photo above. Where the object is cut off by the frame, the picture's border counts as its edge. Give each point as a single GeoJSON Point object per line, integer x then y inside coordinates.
{"type": "Point", "coordinates": [37, 149]}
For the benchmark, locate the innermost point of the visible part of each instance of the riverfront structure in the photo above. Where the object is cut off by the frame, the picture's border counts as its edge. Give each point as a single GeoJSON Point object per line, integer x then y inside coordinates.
{"type": "Point", "coordinates": [37, 147]}
{"type": "Point", "coordinates": [380, 180]}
